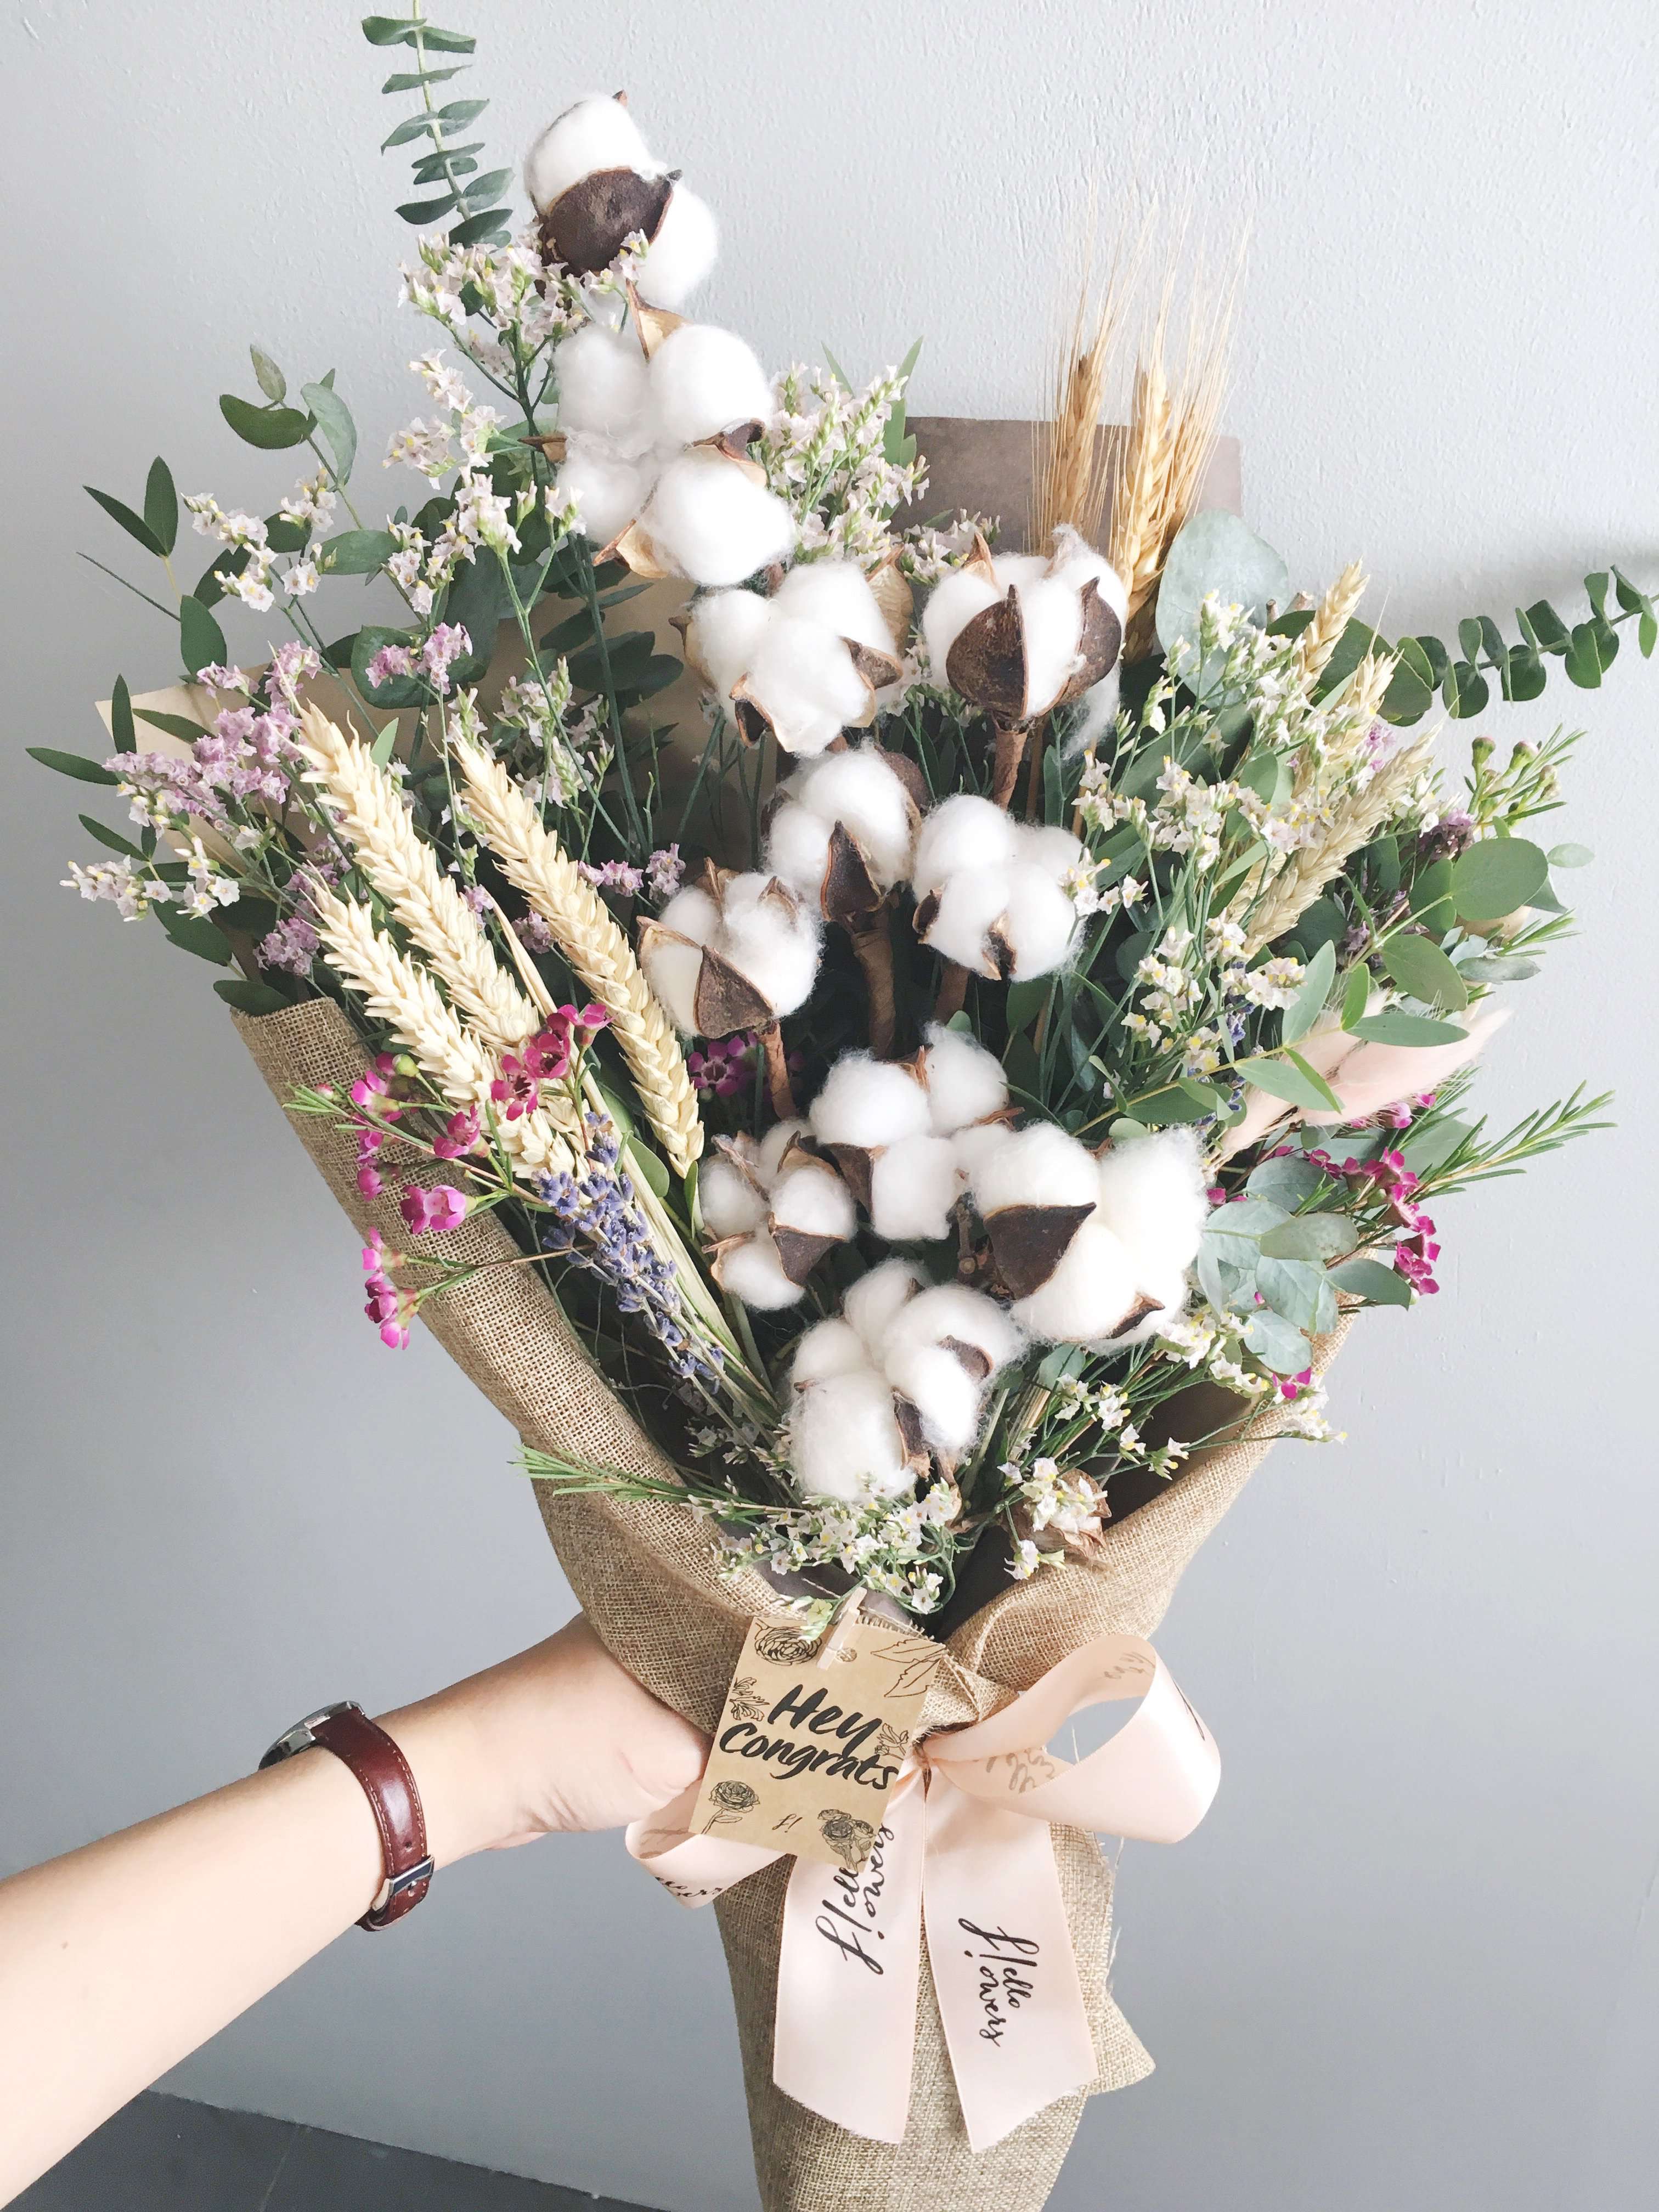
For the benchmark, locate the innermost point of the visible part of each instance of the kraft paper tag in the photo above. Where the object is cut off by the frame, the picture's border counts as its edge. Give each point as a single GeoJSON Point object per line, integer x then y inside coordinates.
{"type": "Point", "coordinates": [811, 1738]}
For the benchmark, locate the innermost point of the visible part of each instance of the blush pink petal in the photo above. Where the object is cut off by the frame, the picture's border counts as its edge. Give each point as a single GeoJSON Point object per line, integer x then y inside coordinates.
{"type": "Point", "coordinates": [1325, 1051]}
{"type": "Point", "coordinates": [1374, 1076]}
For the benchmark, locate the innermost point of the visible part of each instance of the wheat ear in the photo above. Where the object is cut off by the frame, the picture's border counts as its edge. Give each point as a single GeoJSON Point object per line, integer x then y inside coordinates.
{"type": "Point", "coordinates": [1355, 822]}
{"type": "Point", "coordinates": [1141, 482]}
{"type": "Point", "coordinates": [403, 869]}
{"type": "Point", "coordinates": [1320, 637]}
{"type": "Point", "coordinates": [536, 864]}
{"type": "Point", "coordinates": [405, 998]}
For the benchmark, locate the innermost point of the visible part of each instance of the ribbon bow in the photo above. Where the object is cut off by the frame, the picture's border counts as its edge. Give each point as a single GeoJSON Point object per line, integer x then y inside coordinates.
{"type": "Point", "coordinates": [964, 1848]}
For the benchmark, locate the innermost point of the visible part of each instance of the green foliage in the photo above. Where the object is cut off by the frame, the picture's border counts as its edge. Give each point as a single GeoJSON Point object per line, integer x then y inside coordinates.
{"type": "Point", "coordinates": [74, 764]}
{"type": "Point", "coordinates": [201, 640]}
{"type": "Point", "coordinates": [473, 200]}
{"type": "Point", "coordinates": [272, 428]}
{"type": "Point", "coordinates": [1585, 649]}
{"type": "Point", "coordinates": [250, 997]}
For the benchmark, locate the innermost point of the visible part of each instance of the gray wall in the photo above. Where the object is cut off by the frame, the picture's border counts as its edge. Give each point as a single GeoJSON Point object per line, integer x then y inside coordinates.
{"type": "Point", "coordinates": [1410, 1957]}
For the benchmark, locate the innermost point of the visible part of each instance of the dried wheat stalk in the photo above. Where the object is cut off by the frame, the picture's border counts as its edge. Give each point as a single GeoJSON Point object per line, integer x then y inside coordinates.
{"type": "Point", "coordinates": [1354, 822]}
{"type": "Point", "coordinates": [536, 864]}
{"type": "Point", "coordinates": [1319, 641]}
{"type": "Point", "coordinates": [1072, 469]}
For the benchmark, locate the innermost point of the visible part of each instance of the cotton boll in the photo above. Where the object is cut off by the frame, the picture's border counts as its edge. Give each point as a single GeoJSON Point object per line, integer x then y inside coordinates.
{"type": "Point", "coordinates": [692, 912]}
{"type": "Point", "coordinates": [773, 1146]}
{"type": "Point", "coordinates": [859, 791]}
{"type": "Point", "coordinates": [1047, 846]}
{"type": "Point", "coordinates": [754, 1272]}
{"type": "Point", "coordinates": [833, 1347]}
{"type": "Point", "coordinates": [724, 632]}
{"type": "Point", "coordinates": [1089, 1293]}
{"type": "Point", "coordinates": [607, 491]}
{"type": "Point", "coordinates": [703, 380]}
{"type": "Point", "coordinates": [975, 1144]}
{"type": "Point", "coordinates": [965, 832]}
{"type": "Point", "coordinates": [1051, 615]}
{"type": "Point", "coordinates": [732, 1206]}
{"type": "Point", "coordinates": [596, 133]}
{"type": "Point", "coordinates": [965, 1083]}
{"type": "Point", "coordinates": [1152, 1196]}
{"type": "Point", "coordinates": [1170, 1298]}
{"type": "Point", "coordinates": [868, 1103]}
{"type": "Point", "coordinates": [913, 1186]}
{"type": "Point", "coordinates": [942, 1391]}
{"type": "Point", "coordinates": [713, 524]}
{"type": "Point", "coordinates": [1020, 570]}
{"type": "Point", "coordinates": [798, 850]}
{"type": "Point", "coordinates": [673, 971]}
{"type": "Point", "coordinates": [1038, 1166]}
{"type": "Point", "coordinates": [603, 382]}
{"type": "Point", "coordinates": [876, 1300]}
{"type": "Point", "coordinates": [772, 941]}
{"type": "Point", "coordinates": [837, 594]}
{"type": "Point", "coordinates": [681, 254]}
{"type": "Point", "coordinates": [1039, 923]}
{"type": "Point", "coordinates": [952, 605]}
{"type": "Point", "coordinates": [845, 1442]}
{"type": "Point", "coordinates": [817, 1202]}
{"type": "Point", "coordinates": [969, 904]}
{"type": "Point", "coordinates": [1075, 563]}
{"type": "Point", "coordinates": [803, 679]}
{"type": "Point", "coordinates": [950, 1309]}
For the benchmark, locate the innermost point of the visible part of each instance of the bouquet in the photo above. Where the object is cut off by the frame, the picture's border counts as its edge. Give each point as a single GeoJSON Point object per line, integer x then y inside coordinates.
{"type": "Point", "coordinates": [895, 1071]}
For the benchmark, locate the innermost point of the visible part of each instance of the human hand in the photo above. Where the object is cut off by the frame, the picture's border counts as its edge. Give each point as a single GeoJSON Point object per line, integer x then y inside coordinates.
{"type": "Point", "coordinates": [558, 1738]}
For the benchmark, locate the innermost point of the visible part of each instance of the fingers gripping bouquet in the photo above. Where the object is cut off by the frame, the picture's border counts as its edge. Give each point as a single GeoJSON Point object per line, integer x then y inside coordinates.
{"type": "Point", "coordinates": [899, 1159]}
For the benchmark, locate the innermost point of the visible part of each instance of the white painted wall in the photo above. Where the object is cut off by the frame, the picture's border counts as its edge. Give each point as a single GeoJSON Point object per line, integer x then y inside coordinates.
{"type": "Point", "coordinates": [1410, 1957]}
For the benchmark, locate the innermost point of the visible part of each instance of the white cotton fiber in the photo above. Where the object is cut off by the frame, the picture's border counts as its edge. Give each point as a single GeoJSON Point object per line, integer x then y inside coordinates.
{"type": "Point", "coordinates": [754, 1272]}
{"type": "Point", "coordinates": [1152, 1197]}
{"type": "Point", "coordinates": [703, 381]}
{"type": "Point", "coordinates": [969, 903]}
{"type": "Point", "coordinates": [673, 971]}
{"type": "Point", "coordinates": [942, 1391]}
{"type": "Point", "coordinates": [837, 594]}
{"type": "Point", "coordinates": [1019, 570]}
{"type": "Point", "coordinates": [1089, 1293]}
{"type": "Point", "coordinates": [833, 1347]}
{"type": "Point", "coordinates": [975, 1144]}
{"type": "Point", "coordinates": [965, 832]}
{"type": "Point", "coordinates": [681, 254]}
{"type": "Point", "coordinates": [1039, 924]}
{"type": "Point", "coordinates": [1171, 1297]}
{"type": "Point", "coordinates": [844, 1440]}
{"type": "Point", "coordinates": [798, 850]}
{"type": "Point", "coordinates": [913, 1186]}
{"type": "Point", "coordinates": [606, 492]}
{"type": "Point", "coordinates": [1075, 562]}
{"type": "Point", "coordinates": [596, 133]}
{"type": "Point", "coordinates": [876, 1300]}
{"type": "Point", "coordinates": [732, 1206]}
{"type": "Point", "coordinates": [1051, 616]}
{"type": "Point", "coordinates": [692, 912]}
{"type": "Point", "coordinates": [816, 1201]}
{"type": "Point", "coordinates": [603, 383]}
{"type": "Point", "coordinates": [771, 940]}
{"type": "Point", "coordinates": [802, 678]}
{"type": "Point", "coordinates": [965, 1083]}
{"type": "Point", "coordinates": [951, 604]}
{"type": "Point", "coordinates": [724, 630]}
{"type": "Point", "coordinates": [868, 1102]}
{"type": "Point", "coordinates": [773, 1146]}
{"type": "Point", "coordinates": [1039, 1166]}
{"type": "Point", "coordinates": [1047, 846]}
{"type": "Point", "coordinates": [860, 791]}
{"type": "Point", "coordinates": [708, 521]}
{"type": "Point", "coordinates": [950, 1309]}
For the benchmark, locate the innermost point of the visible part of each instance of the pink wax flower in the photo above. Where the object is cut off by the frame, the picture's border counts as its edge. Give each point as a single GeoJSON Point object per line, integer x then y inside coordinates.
{"type": "Point", "coordinates": [373, 1087]}
{"type": "Point", "coordinates": [439, 1209]}
{"type": "Point", "coordinates": [547, 1054]}
{"type": "Point", "coordinates": [515, 1089]}
{"type": "Point", "coordinates": [1292, 1386]}
{"type": "Point", "coordinates": [460, 1135]}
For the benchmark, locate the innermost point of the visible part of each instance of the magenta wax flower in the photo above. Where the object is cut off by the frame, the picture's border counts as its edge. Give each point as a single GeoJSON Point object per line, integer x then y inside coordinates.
{"type": "Point", "coordinates": [547, 1054]}
{"type": "Point", "coordinates": [1294, 1386]}
{"type": "Point", "coordinates": [460, 1135]}
{"type": "Point", "coordinates": [373, 1086]}
{"type": "Point", "coordinates": [441, 1207]}
{"type": "Point", "coordinates": [515, 1090]}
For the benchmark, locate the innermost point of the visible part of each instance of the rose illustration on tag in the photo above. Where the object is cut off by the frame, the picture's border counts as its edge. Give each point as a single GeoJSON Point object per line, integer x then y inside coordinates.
{"type": "Point", "coordinates": [734, 1799]}
{"type": "Point", "coordinates": [847, 1837]}
{"type": "Point", "coordinates": [781, 1647]}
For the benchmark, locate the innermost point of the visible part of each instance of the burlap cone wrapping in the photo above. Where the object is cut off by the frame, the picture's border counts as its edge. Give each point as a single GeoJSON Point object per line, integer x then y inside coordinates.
{"type": "Point", "coordinates": [645, 1577]}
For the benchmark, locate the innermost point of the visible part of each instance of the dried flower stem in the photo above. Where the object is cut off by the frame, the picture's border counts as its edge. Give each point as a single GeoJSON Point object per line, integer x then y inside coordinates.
{"type": "Point", "coordinates": [1010, 742]}
{"type": "Point", "coordinates": [872, 948]}
{"type": "Point", "coordinates": [779, 1090]}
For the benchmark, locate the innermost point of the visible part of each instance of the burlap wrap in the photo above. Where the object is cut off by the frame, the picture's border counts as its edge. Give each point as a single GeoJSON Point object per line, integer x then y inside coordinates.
{"type": "Point", "coordinates": [645, 1577]}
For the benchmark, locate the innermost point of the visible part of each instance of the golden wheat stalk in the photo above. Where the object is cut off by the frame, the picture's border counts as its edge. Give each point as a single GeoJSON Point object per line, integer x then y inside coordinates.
{"type": "Point", "coordinates": [1072, 471]}
{"type": "Point", "coordinates": [1354, 822]}
{"type": "Point", "coordinates": [536, 864]}
{"type": "Point", "coordinates": [1141, 482]}
{"type": "Point", "coordinates": [367, 803]}
{"type": "Point", "coordinates": [403, 996]}
{"type": "Point", "coordinates": [1319, 639]}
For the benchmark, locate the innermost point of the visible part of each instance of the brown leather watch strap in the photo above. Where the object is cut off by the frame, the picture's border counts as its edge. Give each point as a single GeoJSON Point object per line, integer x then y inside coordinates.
{"type": "Point", "coordinates": [389, 1786]}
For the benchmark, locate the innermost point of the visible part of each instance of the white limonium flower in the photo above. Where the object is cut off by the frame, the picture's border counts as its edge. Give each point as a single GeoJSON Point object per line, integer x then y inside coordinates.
{"type": "Point", "coordinates": [118, 882]}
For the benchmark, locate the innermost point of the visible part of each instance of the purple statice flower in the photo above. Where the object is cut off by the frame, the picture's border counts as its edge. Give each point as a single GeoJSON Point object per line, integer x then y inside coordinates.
{"type": "Point", "coordinates": [291, 946]}
{"type": "Point", "coordinates": [597, 1224]}
{"type": "Point", "coordinates": [533, 933]}
{"type": "Point", "coordinates": [391, 660]}
{"type": "Point", "coordinates": [478, 898]}
{"type": "Point", "coordinates": [664, 872]}
{"type": "Point", "coordinates": [437, 1209]}
{"type": "Point", "coordinates": [1445, 839]}
{"type": "Point", "coordinates": [291, 665]}
{"type": "Point", "coordinates": [218, 677]}
{"type": "Point", "coordinates": [612, 876]}
{"type": "Point", "coordinates": [449, 643]}
{"type": "Point", "coordinates": [162, 783]}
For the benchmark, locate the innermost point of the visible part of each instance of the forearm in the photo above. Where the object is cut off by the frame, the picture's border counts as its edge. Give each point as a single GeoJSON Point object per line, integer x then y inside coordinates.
{"type": "Point", "coordinates": [118, 1960]}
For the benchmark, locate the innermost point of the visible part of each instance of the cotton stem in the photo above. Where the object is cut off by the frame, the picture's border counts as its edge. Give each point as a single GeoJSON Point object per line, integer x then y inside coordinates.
{"type": "Point", "coordinates": [873, 950]}
{"type": "Point", "coordinates": [778, 1087]}
{"type": "Point", "coordinates": [1010, 752]}
{"type": "Point", "coordinates": [952, 991]}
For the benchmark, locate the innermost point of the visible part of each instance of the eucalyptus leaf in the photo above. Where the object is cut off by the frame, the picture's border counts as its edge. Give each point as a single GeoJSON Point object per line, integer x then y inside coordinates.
{"type": "Point", "coordinates": [73, 764]}
{"type": "Point", "coordinates": [250, 997]}
{"type": "Point", "coordinates": [1425, 1148]}
{"type": "Point", "coordinates": [266, 374]}
{"type": "Point", "coordinates": [644, 1163]}
{"type": "Point", "coordinates": [334, 421]}
{"type": "Point", "coordinates": [1309, 1004]}
{"type": "Point", "coordinates": [1251, 1218]}
{"type": "Point", "coordinates": [1420, 967]}
{"type": "Point", "coordinates": [1500, 968]}
{"type": "Point", "coordinates": [176, 726]}
{"type": "Point", "coordinates": [1355, 994]}
{"type": "Point", "coordinates": [1279, 1344]}
{"type": "Point", "coordinates": [192, 934]}
{"type": "Point", "coordinates": [121, 731]}
{"type": "Point", "coordinates": [1288, 1180]}
{"type": "Point", "coordinates": [1391, 1026]}
{"type": "Point", "coordinates": [1570, 856]}
{"type": "Point", "coordinates": [1497, 876]}
{"type": "Point", "coordinates": [380, 751]}
{"type": "Point", "coordinates": [133, 524]}
{"type": "Point", "coordinates": [111, 839]}
{"type": "Point", "coordinates": [201, 640]}
{"type": "Point", "coordinates": [161, 505]}
{"type": "Point", "coordinates": [1180, 1104]}
{"type": "Point", "coordinates": [1369, 1279]}
{"type": "Point", "coordinates": [1290, 1079]}
{"type": "Point", "coordinates": [1314, 1237]}
{"type": "Point", "coordinates": [272, 428]}
{"type": "Point", "coordinates": [1215, 552]}
{"type": "Point", "coordinates": [359, 552]}
{"type": "Point", "coordinates": [1299, 1290]}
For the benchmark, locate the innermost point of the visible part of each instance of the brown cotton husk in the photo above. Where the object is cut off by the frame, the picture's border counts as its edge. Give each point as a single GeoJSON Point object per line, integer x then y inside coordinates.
{"type": "Point", "coordinates": [857, 1164]}
{"type": "Point", "coordinates": [878, 669]}
{"type": "Point", "coordinates": [909, 1417]}
{"type": "Point", "coordinates": [891, 588]}
{"type": "Point", "coordinates": [1010, 752]}
{"type": "Point", "coordinates": [552, 446]}
{"type": "Point", "coordinates": [726, 998]}
{"type": "Point", "coordinates": [590, 222]}
{"type": "Point", "coordinates": [850, 894]}
{"type": "Point", "coordinates": [732, 444]}
{"type": "Point", "coordinates": [999, 951]}
{"type": "Point", "coordinates": [652, 324]}
{"type": "Point", "coordinates": [634, 547]}
{"type": "Point", "coordinates": [1137, 1313]}
{"type": "Point", "coordinates": [975, 1363]}
{"type": "Point", "coordinates": [1028, 1242]}
{"type": "Point", "coordinates": [952, 991]}
{"type": "Point", "coordinates": [798, 1253]}
{"type": "Point", "coordinates": [780, 1091]}
{"type": "Point", "coordinates": [872, 948]}
{"type": "Point", "coordinates": [986, 662]}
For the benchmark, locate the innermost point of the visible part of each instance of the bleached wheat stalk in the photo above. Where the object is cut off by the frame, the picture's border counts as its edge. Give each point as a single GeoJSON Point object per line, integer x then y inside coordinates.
{"type": "Point", "coordinates": [367, 803]}
{"type": "Point", "coordinates": [405, 998]}
{"type": "Point", "coordinates": [1354, 822]}
{"type": "Point", "coordinates": [1319, 639]}
{"type": "Point", "coordinates": [533, 861]}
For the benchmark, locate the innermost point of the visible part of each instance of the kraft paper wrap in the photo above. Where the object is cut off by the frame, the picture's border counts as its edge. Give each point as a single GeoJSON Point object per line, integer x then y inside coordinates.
{"type": "Point", "coordinates": [645, 1575]}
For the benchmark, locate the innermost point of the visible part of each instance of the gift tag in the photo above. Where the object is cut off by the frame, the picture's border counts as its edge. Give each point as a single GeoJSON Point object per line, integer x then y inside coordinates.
{"type": "Point", "coordinates": [813, 1736]}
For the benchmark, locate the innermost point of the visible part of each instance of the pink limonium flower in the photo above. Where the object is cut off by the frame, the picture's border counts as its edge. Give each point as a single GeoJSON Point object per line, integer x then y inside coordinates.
{"type": "Point", "coordinates": [391, 660]}
{"type": "Point", "coordinates": [460, 1135]}
{"type": "Point", "coordinates": [437, 1210]}
{"type": "Point", "coordinates": [449, 643]}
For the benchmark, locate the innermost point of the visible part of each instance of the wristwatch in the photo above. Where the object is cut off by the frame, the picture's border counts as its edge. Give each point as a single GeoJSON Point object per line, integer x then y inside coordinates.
{"type": "Point", "coordinates": [347, 1731]}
